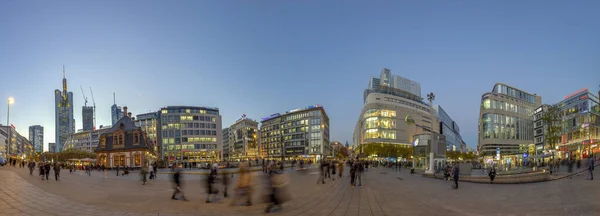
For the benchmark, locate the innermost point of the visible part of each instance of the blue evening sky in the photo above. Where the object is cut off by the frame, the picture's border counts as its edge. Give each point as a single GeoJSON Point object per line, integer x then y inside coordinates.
{"type": "Point", "coordinates": [262, 57]}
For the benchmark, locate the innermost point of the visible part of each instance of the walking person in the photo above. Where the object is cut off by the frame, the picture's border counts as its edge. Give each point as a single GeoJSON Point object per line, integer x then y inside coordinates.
{"type": "Point", "coordinates": [117, 170]}
{"type": "Point", "coordinates": [143, 174]}
{"type": "Point", "coordinates": [455, 174]}
{"type": "Point", "coordinates": [31, 166]}
{"type": "Point", "coordinates": [42, 170]}
{"type": "Point", "coordinates": [492, 174]}
{"type": "Point", "coordinates": [276, 182]}
{"type": "Point", "coordinates": [177, 186]}
{"type": "Point", "coordinates": [340, 169]}
{"type": "Point", "coordinates": [323, 172]}
{"type": "Point", "coordinates": [210, 189]}
{"type": "Point", "coordinates": [244, 189]}
{"type": "Point", "coordinates": [359, 171]}
{"type": "Point", "coordinates": [56, 171]}
{"type": "Point", "coordinates": [151, 169]}
{"type": "Point", "coordinates": [47, 170]}
{"type": "Point", "coordinates": [591, 168]}
{"type": "Point", "coordinates": [332, 168]}
{"type": "Point", "coordinates": [352, 175]}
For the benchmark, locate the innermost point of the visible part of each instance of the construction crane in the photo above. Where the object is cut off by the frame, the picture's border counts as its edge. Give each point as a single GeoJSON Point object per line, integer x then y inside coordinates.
{"type": "Point", "coordinates": [94, 102]}
{"type": "Point", "coordinates": [84, 97]}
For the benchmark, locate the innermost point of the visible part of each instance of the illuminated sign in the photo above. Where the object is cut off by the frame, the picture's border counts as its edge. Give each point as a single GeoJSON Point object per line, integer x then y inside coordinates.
{"type": "Point", "coordinates": [577, 92]}
{"type": "Point", "coordinates": [270, 117]}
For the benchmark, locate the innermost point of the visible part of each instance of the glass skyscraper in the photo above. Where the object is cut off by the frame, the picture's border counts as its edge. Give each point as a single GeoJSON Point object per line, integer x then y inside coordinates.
{"type": "Point", "coordinates": [64, 122]}
{"type": "Point", "coordinates": [36, 137]}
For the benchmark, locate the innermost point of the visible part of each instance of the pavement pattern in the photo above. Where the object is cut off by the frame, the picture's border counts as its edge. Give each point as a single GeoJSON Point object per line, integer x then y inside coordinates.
{"type": "Point", "coordinates": [385, 192]}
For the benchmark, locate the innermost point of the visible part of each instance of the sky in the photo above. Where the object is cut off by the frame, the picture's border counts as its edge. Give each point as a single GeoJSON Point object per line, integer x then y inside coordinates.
{"type": "Point", "coordinates": [262, 57]}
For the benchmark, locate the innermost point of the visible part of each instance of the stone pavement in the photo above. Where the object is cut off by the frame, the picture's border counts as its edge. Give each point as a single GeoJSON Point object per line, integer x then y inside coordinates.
{"type": "Point", "coordinates": [385, 192]}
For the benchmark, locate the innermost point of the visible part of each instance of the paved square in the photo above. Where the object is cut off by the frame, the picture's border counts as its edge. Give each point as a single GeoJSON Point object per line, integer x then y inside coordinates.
{"type": "Point", "coordinates": [385, 192]}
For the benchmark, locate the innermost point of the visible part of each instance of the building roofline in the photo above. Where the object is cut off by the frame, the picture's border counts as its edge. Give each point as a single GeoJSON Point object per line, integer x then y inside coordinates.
{"type": "Point", "coordinates": [500, 83]}
{"type": "Point", "coordinates": [191, 107]}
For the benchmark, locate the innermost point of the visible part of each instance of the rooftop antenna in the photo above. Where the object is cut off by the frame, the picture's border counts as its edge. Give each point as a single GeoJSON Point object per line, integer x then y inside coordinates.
{"type": "Point", "coordinates": [94, 102]}
{"type": "Point", "coordinates": [114, 100]}
{"type": "Point", "coordinates": [84, 97]}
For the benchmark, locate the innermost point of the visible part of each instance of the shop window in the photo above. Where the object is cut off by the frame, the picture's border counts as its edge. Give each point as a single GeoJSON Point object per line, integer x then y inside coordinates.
{"type": "Point", "coordinates": [138, 160]}
{"type": "Point", "coordinates": [122, 160]}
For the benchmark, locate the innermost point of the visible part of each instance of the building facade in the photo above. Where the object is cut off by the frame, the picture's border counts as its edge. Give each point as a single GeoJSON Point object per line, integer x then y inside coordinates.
{"type": "Point", "coordinates": [299, 134]}
{"type": "Point", "coordinates": [226, 147]}
{"type": "Point", "coordinates": [449, 128]}
{"type": "Point", "coordinates": [115, 113]}
{"type": "Point", "coordinates": [191, 134]}
{"type": "Point", "coordinates": [36, 137]}
{"type": "Point", "coordinates": [87, 114]}
{"type": "Point", "coordinates": [580, 114]}
{"type": "Point", "coordinates": [52, 147]}
{"type": "Point", "coordinates": [506, 123]}
{"type": "Point", "coordinates": [393, 115]}
{"type": "Point", "coordinates": [149, 123]}
{"type": "Point", "coordinates": [125, 145]}
{"type": "Point", "coordinates": [539, 129]}
{"type": "Point", "coordinates": [243, 140]}
{"type": "Point", "coordinates": [85, 140]}
{"type": "Point", "coordinates": [64, 121]}
{"type": "Point", "coordinates": [20, 147]}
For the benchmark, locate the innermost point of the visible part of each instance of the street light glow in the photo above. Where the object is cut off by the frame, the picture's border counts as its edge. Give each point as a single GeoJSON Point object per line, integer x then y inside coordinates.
{"type": "Point", "coordinates": [11, 100]}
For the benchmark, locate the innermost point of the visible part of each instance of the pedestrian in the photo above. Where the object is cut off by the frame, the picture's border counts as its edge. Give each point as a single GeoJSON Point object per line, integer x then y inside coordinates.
{"type": "Point", "coordinates": [143, 174]}
{"type": "Point", "coordinates": [177, 186]}
{"type": "Point", "coordinates": [492, 174]}
{"type": "Point", "coordinates": [31, 166]}
{"type": "Point", "coordinates": [151, 169]}
{"type": "Point", "coordinates": [47, 170]}
{"type": "Point", "coordinates": [211, 191]}
{"type": "Point", "coordinates": [276, 181]}
{"type": "Point", "coordinates": [359, 171]}
{"type": "Point", "coordinates": [340, 168]}
{"type": "Point", "coordinates": [225, 182]}
{"type": "Point", "coordinates": [591, 168]}
{"type": "Point", "coordinates": [42, 170]}
{"type": "Point", "coordinates": [244, 187]}
{"type": "Point", "coordinates": [117, 170]}
{"type": "Point", "coordinates": [455, 174]}
{"type": "Point", "coordinates": [352, 174]}
{"type": "Point", "coordinates": [323, 173]}
{"type": "Point", "coordinates": [332, 168]}
{"type": "Point", "coordinates": [56, 171]}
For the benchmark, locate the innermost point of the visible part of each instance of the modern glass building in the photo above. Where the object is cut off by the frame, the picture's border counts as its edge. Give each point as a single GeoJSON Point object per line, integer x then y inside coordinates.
{"type": "Point", "coordinates": [85, 140]}
{"type": "Point", "coordinates": [191, 134]}
{"type": "Point", "coordinates": [226, 147]}
{"type": "Point", "coordinates": [242, 140]}
{"type": "Point", "coordinates": [299, 134]}
{"type": "Point", "coordinates": [506, 123]}
{"type": "Point", "coordinates": [580, 125]}
{"type": "Point", "coordinates": [64, 121]}
{"type": "Point", "coordinates": [87, 114]}
{"type": "Point", "coordinates": [116, 113]}
{"type": "Point", "coordinates": [36, 137]}
{"type": "Point", "coordinates": [149, 123]}
{"type": "Point", "coordinates": [449, 128]}
{"type": "Point", "coordinates": [393, 112]}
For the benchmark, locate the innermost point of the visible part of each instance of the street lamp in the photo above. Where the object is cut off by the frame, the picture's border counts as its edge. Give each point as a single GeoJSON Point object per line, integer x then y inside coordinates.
{"type": "Point", "coordinates": [10, 101]}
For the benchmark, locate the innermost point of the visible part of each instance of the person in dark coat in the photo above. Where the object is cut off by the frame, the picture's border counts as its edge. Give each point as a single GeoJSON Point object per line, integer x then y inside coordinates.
{"type": "Point", "coordinates": [56, 171]}
{"type": "Point", "coordinates": [177, 186]}
{"type": "Point", "coordinates": [47, 170]}
{"type": "Point", "coordinates": [455, 174]}
{"type": "Point", "coordinates": [42, 170]}
{"type": "Point", "coordinates": [211, 191]}
{"type": "Point", "coordinates": [492, 174]}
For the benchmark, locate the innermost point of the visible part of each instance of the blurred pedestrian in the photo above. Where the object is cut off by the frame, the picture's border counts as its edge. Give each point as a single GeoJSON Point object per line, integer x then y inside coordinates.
{"type": "Point", "coordinates": [42, 170]}
{"type": "Point", "coordinates": [591, 168]}
{"type": "Point", "coordinates": [47, 170]}
{"type": "Point", "coordinates": [275, 191]}
{"type": "Point", "coordinates": [340, 168]}
{"type": "Point", "coordinates": [332, 168]}
{"type": "Point", "coordinates": [211, 190]}
{"type": "Point", "coordinates": [56, 171]}
{"type": "Point", "coordinates": [151, 169]}
{"type": "Point", "coordinates": [177, 186]}
{"type": "Point", "coordinates": [455, 175]}
{"type": "Point", "coordinates": [244, 186]}
{"type": "Point", "coordinates": [492, 174]}
{"type": "Point", "coordinates": [359, 171]}
{"type": "Point", "coordinates": [143, 174]}
{"type": "Point", "coordinates": [31, 166]}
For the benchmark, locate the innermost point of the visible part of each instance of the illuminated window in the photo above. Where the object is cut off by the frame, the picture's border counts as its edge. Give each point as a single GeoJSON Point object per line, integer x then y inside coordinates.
{"type": "Point", "coordinates": [378, 112]}
{"type": "Point", "coordinates": [122, 160]}
{"type": "Point", "coordinates": [137, 160]}
{"type": "Point", "coordinates": [380, 134]}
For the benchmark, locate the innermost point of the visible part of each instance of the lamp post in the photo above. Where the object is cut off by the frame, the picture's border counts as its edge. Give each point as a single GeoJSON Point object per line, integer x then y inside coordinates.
{"type": "Point", "coordinates": [431, 97]}
{"type": "Point", "coordinates": [10, 101]}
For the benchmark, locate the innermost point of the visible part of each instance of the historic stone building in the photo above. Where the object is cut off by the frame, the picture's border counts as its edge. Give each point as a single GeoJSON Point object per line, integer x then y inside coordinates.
{"type": "Point", "coordinates": [125, 144]}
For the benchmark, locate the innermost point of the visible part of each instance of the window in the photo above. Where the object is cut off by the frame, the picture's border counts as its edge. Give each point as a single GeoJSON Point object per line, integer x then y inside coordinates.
{"type": "Point", "coordinates": [116, 161]}
{"type": "Point", "coordinates": [138, 160]}
{"type": "Point", "coordinates": [136, 137]}
{"type": "Point", "coordinates": [102, 142]}
{"type": "Point", "coordinates": [122, 160]}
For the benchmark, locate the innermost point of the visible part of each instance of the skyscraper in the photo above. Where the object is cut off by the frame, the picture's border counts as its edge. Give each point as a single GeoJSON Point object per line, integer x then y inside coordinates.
{"type": "Point", "coordinates": [87, 113]}
{"type": "Point", "coordinates": [65, 124]}
{"type": "Point", "coordinates": [115, 111]}
{"type": "Point", "coordinates": [36, 137]}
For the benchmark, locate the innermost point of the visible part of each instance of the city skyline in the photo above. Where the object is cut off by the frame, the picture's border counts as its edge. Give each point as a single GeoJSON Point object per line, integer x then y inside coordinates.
{"type": "Point", "coordinates": [263, 61]}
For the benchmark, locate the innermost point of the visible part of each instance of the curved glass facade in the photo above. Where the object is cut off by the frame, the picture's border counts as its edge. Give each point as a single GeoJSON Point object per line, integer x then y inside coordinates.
{"type": "Point", "coordinates": [380, 134]}
{"type": "Point", "coordinates": [499, 126]}
{"type": "Point", "coordinates": [507, 90]}
{"type": "Point", "coordinates": [379, 112]}
{"type": "Point", "coordinates": [379, 122]}
{"type": "Point", "coordinates": [506, 106]}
